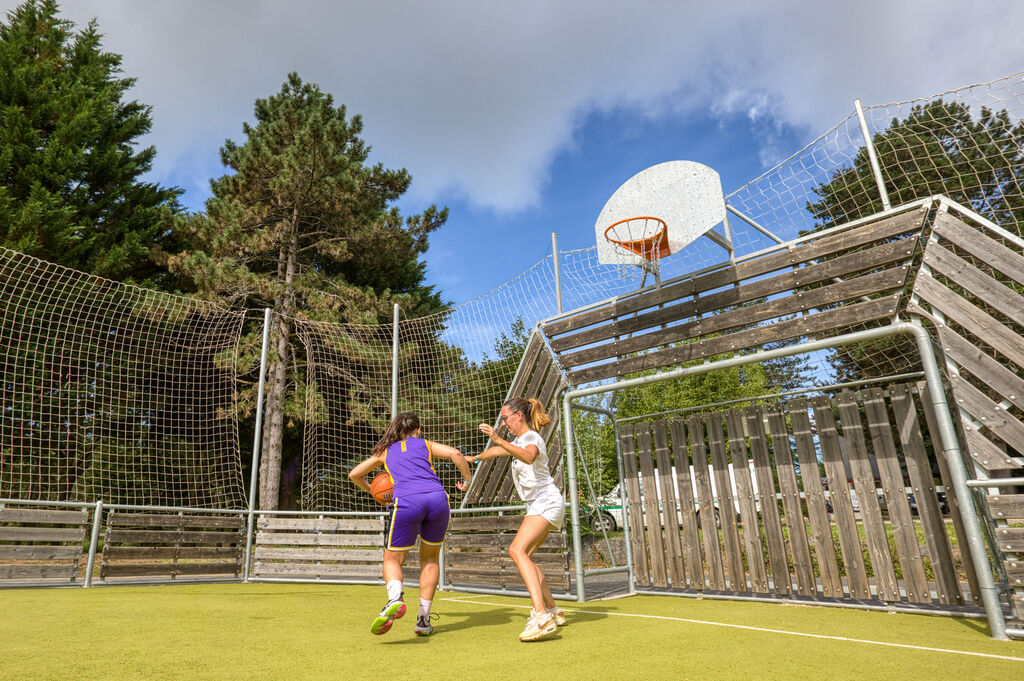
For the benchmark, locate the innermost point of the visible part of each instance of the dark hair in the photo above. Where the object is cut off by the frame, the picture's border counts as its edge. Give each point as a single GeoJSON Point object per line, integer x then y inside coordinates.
{"type": "Point", "coordinates": [532, 411]}
{"type": "Point", "coordinates": [401, 427]}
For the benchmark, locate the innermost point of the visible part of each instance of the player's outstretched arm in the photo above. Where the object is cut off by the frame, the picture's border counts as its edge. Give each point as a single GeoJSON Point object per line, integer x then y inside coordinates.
{"type": "Point", "coordinates": [359, 471]}
{"type": "Point", "coordinates": [444, 451]}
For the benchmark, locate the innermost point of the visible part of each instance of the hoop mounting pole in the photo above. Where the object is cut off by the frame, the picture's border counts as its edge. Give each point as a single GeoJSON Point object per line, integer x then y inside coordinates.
{"type": "Point", "coordinates": [876, 169]}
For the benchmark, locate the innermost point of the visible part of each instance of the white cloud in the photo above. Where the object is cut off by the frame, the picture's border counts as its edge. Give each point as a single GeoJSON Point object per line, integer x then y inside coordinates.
{"type": "Point", "coordinates": [477, 98]}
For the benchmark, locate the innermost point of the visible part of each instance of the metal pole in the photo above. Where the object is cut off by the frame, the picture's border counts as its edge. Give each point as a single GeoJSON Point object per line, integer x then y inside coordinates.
{"type": "Point", "coordinates": [872, 156]}
{"type": "Point", "coordinates": [574, 500]}
{"type": "Point", "coordinates": [94, 540]}
{"type": "Point", "coordinates": [631, 582]}
{"type": "Point", "coordinates": [558, 271]}
{"type": "Point", "coordinates": [958, 473]}
{"type": "Point", "coordinates": [394, 366]}
{"type": "Point", "coordinates": [256, 441]}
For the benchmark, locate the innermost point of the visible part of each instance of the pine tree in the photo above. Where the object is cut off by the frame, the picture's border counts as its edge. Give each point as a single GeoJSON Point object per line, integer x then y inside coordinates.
{"type": "Point", "coordinates": [939, 148]}
{"type": "Point", "coordinates": [303, 225]}
{"type": "Point", "coordinates": [69, 168]}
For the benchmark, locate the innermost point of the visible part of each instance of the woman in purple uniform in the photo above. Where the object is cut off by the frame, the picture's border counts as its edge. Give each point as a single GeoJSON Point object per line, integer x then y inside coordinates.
{"type": "Point", "coordinates": [419, 509]}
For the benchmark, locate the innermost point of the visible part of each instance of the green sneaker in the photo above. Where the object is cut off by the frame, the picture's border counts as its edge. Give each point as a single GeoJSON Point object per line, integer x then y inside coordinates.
{"type": "Point", "coordinates": [391, 612]}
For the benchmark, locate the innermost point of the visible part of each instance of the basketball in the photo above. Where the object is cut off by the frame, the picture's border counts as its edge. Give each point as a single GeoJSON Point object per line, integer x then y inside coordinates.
{"type": "Point", "coordinates": [381, 488]}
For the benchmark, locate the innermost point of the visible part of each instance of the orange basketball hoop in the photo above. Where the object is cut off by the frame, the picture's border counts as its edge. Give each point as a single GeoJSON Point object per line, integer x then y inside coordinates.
{"type": "Point", "coordinates": [645, 236]}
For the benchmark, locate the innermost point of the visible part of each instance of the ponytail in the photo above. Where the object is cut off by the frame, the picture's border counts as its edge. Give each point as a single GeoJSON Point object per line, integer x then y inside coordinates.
{"type": "Point", "coordinates": [532, 410]}
{"type": "Point", "coordinates": [401, 427]}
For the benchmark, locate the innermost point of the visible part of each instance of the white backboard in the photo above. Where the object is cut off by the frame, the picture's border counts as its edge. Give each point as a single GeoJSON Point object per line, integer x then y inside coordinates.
{"type": "Point", "coordinates": [685, 194]}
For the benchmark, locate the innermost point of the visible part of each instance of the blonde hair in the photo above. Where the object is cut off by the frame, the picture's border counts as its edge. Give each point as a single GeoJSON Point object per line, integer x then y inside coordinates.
{"type": "Point", "coordinates": [532, 410]}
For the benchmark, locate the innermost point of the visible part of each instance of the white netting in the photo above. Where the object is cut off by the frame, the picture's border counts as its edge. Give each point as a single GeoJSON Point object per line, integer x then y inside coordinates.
{"type": "Point", "coordinates": [114, 392]}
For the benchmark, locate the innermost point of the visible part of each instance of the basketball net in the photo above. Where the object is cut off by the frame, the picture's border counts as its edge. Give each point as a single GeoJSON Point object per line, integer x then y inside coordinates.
{"type": "Point", "coordinates": [645, 236]}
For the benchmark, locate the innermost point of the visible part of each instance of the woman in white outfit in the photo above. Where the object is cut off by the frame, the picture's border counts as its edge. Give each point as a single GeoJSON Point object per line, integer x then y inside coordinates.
{"type": "Point", "coordinates": [545, 505]}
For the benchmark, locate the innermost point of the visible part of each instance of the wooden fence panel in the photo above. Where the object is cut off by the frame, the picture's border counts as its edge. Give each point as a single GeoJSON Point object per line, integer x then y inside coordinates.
{"type": "Point", "coordinates": [709, 535]}
{"type": "Point", "coordinates": [303, 547]}
{"type": "Point", "coordinates": [792, 511]}
{"type": "Point", "coordinates": [652, 512]}
{"type": "Point", "coordinates": [726, 506]}
{"type": "Point", "coordinates": [669, 507]}
{"type": "Point", "coordinates": [634, 506]}
{"type": "Point", "coordinates": [778, 561]}
{"type": "Point", "coordinates": [814, 493]}
{"type": "Point", "coordinates": [41, 544]}
{"type": "Point", "coordinates": [688, 506]}
{"type": "Point", "coordinates": [752, 547]}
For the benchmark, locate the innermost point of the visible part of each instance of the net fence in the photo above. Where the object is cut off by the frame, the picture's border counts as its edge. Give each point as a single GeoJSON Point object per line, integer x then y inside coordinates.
{"type": "Point", "coordinates": [114, 392]}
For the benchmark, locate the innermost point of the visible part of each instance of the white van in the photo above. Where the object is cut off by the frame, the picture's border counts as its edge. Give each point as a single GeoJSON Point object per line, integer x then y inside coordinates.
{"type": "Point", "coordinates": [609, 515]}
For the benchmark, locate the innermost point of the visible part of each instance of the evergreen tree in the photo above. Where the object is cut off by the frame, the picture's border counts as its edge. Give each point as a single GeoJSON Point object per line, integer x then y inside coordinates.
{"type": "Point", "coordinates": [939, 148]}
{"type": "Point", "coordinates": [69, 169]}
{"type": "Point", "coordinates": [302, 225]}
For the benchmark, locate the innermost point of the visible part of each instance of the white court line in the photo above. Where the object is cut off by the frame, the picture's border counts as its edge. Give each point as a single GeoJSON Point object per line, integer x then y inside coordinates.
{"type": "Point", "coordinates": [763, 629]}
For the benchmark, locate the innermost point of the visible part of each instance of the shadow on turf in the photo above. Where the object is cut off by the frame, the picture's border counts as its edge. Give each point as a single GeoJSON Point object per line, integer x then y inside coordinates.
{"type": "Point", "coordinates": [500, 617]}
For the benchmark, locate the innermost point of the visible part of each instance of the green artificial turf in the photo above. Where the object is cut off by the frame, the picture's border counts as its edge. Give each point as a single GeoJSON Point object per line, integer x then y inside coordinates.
{"type": "Point", "coordinates": [291, 632]}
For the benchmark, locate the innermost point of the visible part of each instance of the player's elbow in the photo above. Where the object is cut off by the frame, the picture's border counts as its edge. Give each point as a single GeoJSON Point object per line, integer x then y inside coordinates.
{"type": "Point", "coordinates": [352, 475]}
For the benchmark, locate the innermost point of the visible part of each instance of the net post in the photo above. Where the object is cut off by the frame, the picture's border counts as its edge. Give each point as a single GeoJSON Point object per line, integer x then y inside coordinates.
{"type": "Point", "coordinates": [94, 539]}
{"type": "Point", "coordinates": [574, 497]}
{"type": "Point", "coordinates": [558, 272]}
{"type": "Point", "coordinates": [256, 441]}
{"type": "Point", "coordinates": [876, 169]}
{"type": "Point", "coordinates": [394, 364]}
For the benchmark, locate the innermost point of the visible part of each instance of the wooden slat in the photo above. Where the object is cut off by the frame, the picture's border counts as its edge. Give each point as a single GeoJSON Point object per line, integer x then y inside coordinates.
{"type": "Point", "coordinates": [324, 571]}
{"type": "Point", "coordinates": [634, 506]}
{"type": "Point", "coordinates": [726, 507]}
{"type": "Point", "coordinates": [951, 496]}
{"type": "Point", "coordinates": [778, 561]}
{"type": "Point", "coordinates": [171, 537]}
{"type": "Point", "coordinates": [1010, 539]}
{"type": "Point", "coordinates": [1006, 506]}
{"type": "Point", "coordinates": [156, 520]}
{"type": "Point", "coordinates": [987, 454]}
{"type": "Point", "coordinates": [849, 315]}
{"type": "Point", "coordinates": [313, 539]}
{"type": "Point", "coordinates": [792, 512]}
{"type": "Point", "coordinates": [488, 523]}
{"type": "Point", "coordinates": [870, 511]}
{"type": "Point", "coordinates": [705, 495]}
{"type": "Point", "coordinates": [919, 468]}
{"type": "Point", "coordinates": [814, 492]}
{"type": "Point", "coordinates": [545, 561]}
{"type": "Point", "coordinates": [42, 534]}
{"type": "Point", "coordinates": [30, 516]}
{"type": "Point", "coordinates": [752, 547]}
{"type": "Point", "coordinates": [802, 277]}
{"type": "Point", "coordinates": [694, 565]}
{"type": "Point", "coordinates": [112, 553]}
{"type": "Point", "coordinates": [66, 571]}
{"type": "Point", "coordinates": [842, 505]}
{"type": "Point", "coordinates": [38, 552]}
{"type": "Point", "coordinates": [978, 322]}
{"type": "Point", "coordinates": [992, 416]}
{"type": "Point", "coordinates": [173, 569]}
{"type": "Point", "coordinates": [982, 247]}
{"type": "Point", "coordinates": [321, 524]}
{"type": "Point", "coordinates": [464, 540]}
{"type": "Point", "coordinates": [995, 374]}
{"type": "Point", "coordinates": [1015, 572]}
{"type": "Point", "coordinates": [669, 507]}
{"type": "Point", "coordinates": [652, 512]}
{"type": "Point", "coordinates": [742, 317]}
{"type": "Point", "coordinates": [784, 258]}
{"type": "Point", "coordinates": [900, 519]}
{"type": "Point", "coordinates": [993, 293]}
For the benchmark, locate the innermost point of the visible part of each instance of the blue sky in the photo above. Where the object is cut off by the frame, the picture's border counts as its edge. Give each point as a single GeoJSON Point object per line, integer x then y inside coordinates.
{"type": "Point", "coordinates": [524, 117]}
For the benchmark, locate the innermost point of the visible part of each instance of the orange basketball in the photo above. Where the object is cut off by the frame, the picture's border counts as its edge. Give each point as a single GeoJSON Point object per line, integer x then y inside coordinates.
{"type": "Point", "coordinates": [381, 489]}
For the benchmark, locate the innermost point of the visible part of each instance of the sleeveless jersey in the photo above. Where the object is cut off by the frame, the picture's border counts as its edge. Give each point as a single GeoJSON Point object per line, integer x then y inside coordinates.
{"type": "Point", "coordinates": [408, 463]}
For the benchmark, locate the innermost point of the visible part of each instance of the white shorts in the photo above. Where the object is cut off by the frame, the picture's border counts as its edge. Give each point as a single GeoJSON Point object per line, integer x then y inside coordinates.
{"type": "Point", "coordinates": [551, 507]}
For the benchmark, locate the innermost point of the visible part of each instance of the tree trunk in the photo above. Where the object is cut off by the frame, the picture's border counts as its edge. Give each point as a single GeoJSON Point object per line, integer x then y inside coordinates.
{"type": "Point", "coordinates": [277, 372]}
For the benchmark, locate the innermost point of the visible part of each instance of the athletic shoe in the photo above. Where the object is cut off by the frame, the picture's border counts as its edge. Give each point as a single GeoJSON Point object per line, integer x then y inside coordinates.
{"type": "Point", "coordinates": [559, 617]}
{"type": "Point", "coordinates": [391, 612]}
{"type": "Point", "coordinates": [423, 625]}
{"type": "Point", "coordinates": [539, 625]}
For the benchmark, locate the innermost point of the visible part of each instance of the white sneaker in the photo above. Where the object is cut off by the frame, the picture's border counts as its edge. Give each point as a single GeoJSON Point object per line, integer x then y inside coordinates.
{"type": "Point", "coordinates": [558, 616]}
{"type": "Point", "coordinates": [539, 625]}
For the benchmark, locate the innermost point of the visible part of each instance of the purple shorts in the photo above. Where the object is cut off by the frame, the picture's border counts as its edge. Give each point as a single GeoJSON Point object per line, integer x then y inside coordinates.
{"type": "Point", "coordinates": [424, 515]}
